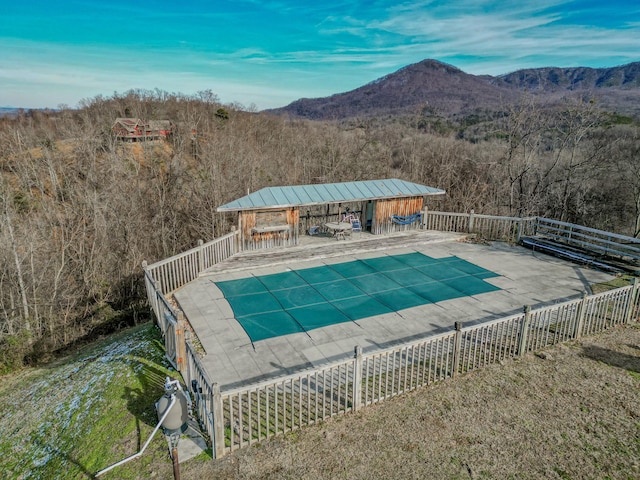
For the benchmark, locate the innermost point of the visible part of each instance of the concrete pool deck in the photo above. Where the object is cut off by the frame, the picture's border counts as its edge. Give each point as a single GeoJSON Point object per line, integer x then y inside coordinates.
{"type": "Point", "coordinates": [231, 360]}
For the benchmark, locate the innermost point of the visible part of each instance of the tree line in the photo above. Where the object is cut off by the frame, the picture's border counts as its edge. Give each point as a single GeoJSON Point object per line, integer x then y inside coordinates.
{"type": "Point", "coordinates": [80, 210]}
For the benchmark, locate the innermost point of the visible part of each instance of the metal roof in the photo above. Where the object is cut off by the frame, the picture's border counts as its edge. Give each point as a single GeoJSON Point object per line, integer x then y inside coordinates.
{"type": "Point", "coordinates": [300, 195]}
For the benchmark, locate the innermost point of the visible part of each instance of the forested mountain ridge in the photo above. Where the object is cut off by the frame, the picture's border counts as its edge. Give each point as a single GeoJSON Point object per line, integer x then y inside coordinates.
{"type": "Point", "coordinates": [80, 210]}
{"type": "Point", "coordinates": [447, 91]}
{"type": "Point", "coordinates": [577, 78]}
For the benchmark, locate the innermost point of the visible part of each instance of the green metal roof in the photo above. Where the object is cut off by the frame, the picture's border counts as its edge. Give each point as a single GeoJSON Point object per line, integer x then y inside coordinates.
{"type": "Point", "coordinates": [300, 195]}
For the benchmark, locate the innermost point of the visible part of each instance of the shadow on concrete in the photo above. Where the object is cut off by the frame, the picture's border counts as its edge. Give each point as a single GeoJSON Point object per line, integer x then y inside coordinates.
{"type": "Point", "coordinates": [585, 283]}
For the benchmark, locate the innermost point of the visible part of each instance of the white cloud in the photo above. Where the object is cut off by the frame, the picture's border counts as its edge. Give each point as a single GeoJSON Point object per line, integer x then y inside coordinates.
{"type": "Point", "coordinates": [345, 44]}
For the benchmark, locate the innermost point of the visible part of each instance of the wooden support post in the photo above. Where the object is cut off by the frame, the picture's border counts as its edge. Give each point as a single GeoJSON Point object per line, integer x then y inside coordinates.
{"type": "Point", "coordinates": [524, 330]}
{"type": "Point", "coordinates": [218, 422]}
{"type": "Point", "coordinates": [237, 240]}
{"type": "Point", "coordinates": [457, 346]}
{"type": "Point", "coordinates": [519, 230]}
{"type": "Point", "coordinates": [181, 347]}
{"type": "Point", "coordinates": [357, 378]}
{"type": "Point", "coordinates": [580, 317]}
{"type": "Point", "coordinates": [470, 226]}
{"type": "Point", "coordinates": [157, 299]}
{"type": "Point", "coordinates": [633, 298]}
{"type": "Point", "coordinates": [200, 257]}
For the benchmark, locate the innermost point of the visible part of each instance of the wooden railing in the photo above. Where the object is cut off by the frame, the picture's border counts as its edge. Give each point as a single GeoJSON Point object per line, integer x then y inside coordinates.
{"type": "Point", "coordinates": [175, 272]}
{"type": "Point", "coordinates": [202, 390]}
{"type": "Point", "coordinates": [234, 419]}
{"type": "Point", "coordinates": [599, 241]}
{"type": "Point", "coordinates": [162, 278]}
{"type": "Point", "coordinates": [166, 318]}
{"type": "Point", "coordinates": [491, 227]}
{"type": "Point", "coordinates": [245, 416]}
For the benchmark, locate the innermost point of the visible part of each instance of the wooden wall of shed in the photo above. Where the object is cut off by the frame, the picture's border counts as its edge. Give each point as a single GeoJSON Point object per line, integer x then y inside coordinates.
{"type": "Point", "coordinates": [246, 221]}
{"type": "Point", "coordinates": [384, 209]}
{"type": "Point", "coordinates": [293, 218]}
{"type": "Point", "coordinates": [250, 220]}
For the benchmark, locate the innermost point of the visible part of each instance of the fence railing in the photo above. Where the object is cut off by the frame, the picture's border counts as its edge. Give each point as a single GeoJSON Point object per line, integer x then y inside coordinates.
{"type": "Point", "coordinates": [600, 241]}
{"type": "Point", "coordinates": [491, 227]}
{"type": "Point", "coordinates": [166, 317]}
{"type": "Point", "coordinates": [162, 278]}
{"type": "Point", "coordinates": [248, 415]}
{"type": "Point", "coordinates": [202, 391]}
{"type": "Point", "coordinates": [175, 272]}
{"type": "Point", "coordinates": [234, 419]}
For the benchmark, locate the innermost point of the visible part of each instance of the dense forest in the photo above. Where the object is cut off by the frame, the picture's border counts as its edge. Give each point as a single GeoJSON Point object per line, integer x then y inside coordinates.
{"type": "Point", "coordinates": [80, 209]}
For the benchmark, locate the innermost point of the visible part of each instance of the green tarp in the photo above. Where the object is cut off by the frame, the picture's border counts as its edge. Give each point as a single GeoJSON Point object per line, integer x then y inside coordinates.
{"type": "Point", "coordinates": [301, 300]}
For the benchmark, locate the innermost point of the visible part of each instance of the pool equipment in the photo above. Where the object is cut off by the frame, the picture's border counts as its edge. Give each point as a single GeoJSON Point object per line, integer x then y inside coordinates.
{"type": "Point", "coordinates": [173, 413]}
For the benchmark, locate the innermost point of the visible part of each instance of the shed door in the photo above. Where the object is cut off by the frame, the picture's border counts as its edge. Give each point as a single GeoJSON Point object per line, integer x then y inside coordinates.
{"type": "Point", "coordinates": [369, 215]}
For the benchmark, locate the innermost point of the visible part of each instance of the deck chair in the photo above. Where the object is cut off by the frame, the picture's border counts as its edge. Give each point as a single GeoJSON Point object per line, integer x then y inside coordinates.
{"type": "Point", "coordinates": [355, 225]}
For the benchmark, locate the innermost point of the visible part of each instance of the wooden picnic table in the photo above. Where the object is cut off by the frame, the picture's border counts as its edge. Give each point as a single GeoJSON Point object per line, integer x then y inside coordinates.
{"type": "Point", "coordinates": [339, 229]}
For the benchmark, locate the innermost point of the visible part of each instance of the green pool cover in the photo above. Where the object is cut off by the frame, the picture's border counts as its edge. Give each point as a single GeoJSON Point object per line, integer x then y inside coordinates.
{"type": "Point", "coordinates": [301, 300]}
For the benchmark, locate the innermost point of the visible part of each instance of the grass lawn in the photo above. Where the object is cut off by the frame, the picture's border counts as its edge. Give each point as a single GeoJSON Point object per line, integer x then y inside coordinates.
{"type": "Point", "coordinates": [572, 413]}
{"type": "Point", "coordinates": [83, 413]}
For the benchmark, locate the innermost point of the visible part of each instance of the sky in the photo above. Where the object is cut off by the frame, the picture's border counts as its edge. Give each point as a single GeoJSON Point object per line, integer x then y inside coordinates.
{"type": "Point", "coordinates": [260, 54]}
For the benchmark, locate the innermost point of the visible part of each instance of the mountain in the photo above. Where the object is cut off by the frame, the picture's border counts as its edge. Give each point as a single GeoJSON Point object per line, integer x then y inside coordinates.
{"type": "Point", "coordinates": [445, 90]}
{"type": "Point", "coordinates": [579, 78]}
{"type": "Point", "coordinates": [8, 111]}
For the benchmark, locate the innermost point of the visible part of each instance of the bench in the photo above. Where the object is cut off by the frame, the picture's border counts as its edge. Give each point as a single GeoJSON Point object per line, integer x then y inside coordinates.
{"type": "Point", "coordinates": [271, 229]}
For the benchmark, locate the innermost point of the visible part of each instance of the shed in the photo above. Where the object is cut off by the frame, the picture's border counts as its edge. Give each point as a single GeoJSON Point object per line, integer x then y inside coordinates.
{"type": "Point", "coordinates": [276, 216]}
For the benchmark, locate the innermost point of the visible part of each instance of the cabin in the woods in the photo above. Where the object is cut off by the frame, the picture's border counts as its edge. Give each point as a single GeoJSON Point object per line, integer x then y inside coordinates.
{"type": "Point", "coordinates": [277, 216]}
{"type": "Point", "coordinates": [134, 129]}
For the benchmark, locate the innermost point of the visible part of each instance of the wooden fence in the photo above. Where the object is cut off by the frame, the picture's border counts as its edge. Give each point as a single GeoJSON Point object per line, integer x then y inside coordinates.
{"type": "Point", "coordinates": [234, 419]}
{"type": "Point", "coordinates": [599, 241]}
{"type": "Point", "coordinates": [245, 416]}
{"type": "Point", "coordinates": [491, 227]}
{"type": "Point", "coordinates": [166, 276]}
{"type": "Point", "coordinates": [174, 272]}
{"type": "Point", "coordinates": [166, 317]}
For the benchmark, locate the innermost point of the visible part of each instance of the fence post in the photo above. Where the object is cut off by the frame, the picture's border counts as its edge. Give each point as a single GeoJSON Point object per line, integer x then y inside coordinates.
{"type": "Point", "coordinates": [470, 226]}
{"type": "Point", "coordinates": [200, 257]}
{"type": "Point", "coordinates": [518, 230]}
{"type": "Point", "coordinates": [157, 298]}
{"type": "Point", "coordinates": [524, 330]}
{"type": "Point", "coordinates": [580, 320]}
{"type": "Point", "coordinates": [425, 212]}
{"type": "Point", "coordinates": [457, 345]}
{"type": "Point", "coordinates": [181, 346]}
{"type": "Point", "coordinates": [632, 300]}
{"type": "Point", "coordinates": [218, 422]}
{"type": "Point", "coordinates": [236, 240]}
{"type": "Point", "coordinates": [357, 378]}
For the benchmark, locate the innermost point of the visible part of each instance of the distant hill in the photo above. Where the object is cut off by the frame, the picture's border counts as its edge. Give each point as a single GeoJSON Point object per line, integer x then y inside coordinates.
{"type": "Point", "coordinates": [446, 91]}
{"type": "Point", "coordinates": [8, 111]}
{"type": "Point", "coordinates": [579, 78]}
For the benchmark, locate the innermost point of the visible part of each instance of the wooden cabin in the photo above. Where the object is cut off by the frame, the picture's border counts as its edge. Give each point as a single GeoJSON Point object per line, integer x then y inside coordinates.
{"type": "Point", "coordinates": [277, 216]}
{"type": "Point", "coordinates": [134, 129]}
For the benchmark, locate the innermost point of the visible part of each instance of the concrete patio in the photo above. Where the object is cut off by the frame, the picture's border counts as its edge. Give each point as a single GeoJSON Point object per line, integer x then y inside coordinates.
{"type": "Point", "coordinates": [231, 360]}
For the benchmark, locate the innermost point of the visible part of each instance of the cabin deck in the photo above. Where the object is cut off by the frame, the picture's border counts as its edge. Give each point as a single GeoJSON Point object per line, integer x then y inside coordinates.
{"type": "Point", "coordinates": [232, 360]}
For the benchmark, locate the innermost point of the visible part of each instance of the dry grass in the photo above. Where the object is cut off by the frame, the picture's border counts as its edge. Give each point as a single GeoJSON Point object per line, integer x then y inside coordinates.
{"type": "Point", "coordinates": [572, 412]}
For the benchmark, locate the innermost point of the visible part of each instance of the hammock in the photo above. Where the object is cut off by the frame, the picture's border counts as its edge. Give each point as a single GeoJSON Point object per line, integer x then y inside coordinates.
{"type": "Point", "coordinates": [406, 220]}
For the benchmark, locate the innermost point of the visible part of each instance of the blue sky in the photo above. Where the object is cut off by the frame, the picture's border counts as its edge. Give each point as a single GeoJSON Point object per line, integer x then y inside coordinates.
{"type": "Point", "coordinates": [267, 54]}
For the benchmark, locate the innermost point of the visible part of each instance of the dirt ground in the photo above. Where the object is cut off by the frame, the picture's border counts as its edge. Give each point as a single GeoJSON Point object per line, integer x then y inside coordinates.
{"type": "Point", "coordinates": [570, 412]}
